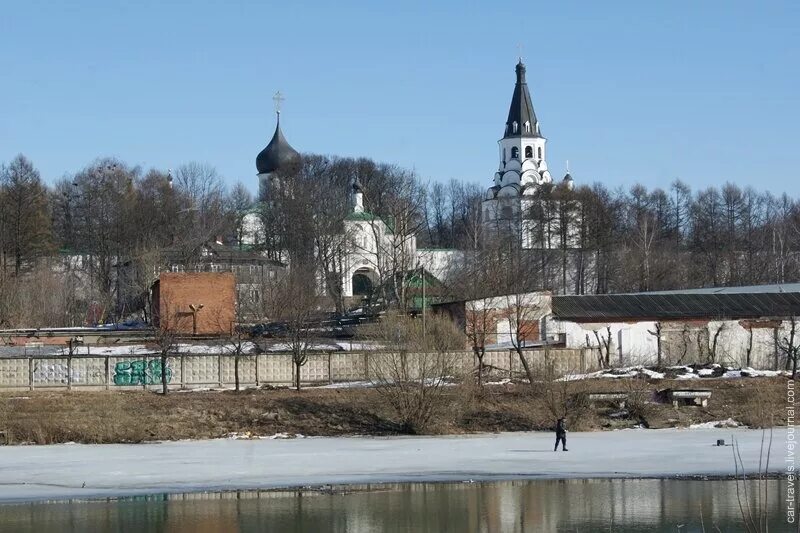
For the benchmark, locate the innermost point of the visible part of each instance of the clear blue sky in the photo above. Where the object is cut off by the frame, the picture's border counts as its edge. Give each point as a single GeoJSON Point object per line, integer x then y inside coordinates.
{"type": "Point", "coordinates": [627, 91]}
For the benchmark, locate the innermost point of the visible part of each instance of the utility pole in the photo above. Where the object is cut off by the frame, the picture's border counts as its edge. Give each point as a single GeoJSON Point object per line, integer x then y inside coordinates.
{"type": "Point", "coordinates": [424, 329]}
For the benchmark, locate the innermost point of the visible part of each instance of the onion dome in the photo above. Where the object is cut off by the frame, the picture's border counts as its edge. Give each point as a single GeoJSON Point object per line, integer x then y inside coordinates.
{"type": "Point", "coordinates": [278, 153]}
{"type": "Point", "coordinates": [569, 183]}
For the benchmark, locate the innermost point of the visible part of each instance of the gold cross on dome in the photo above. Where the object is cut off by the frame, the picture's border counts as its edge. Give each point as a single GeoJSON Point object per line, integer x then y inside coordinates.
{"type": "Point", "coordinates": [278, 99]}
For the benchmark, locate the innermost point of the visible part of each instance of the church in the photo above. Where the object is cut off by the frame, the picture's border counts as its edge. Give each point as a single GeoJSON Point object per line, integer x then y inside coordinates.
{"type": "Point", "coordinates": [506, 206]}
{"type": "Point", "coordinates": [522, 172]}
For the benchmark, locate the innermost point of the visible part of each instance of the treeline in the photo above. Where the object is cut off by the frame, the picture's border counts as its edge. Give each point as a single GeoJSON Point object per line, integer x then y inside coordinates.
{"type": "Point", "coordinates": [60, 245]}
{"type": "Point", "coordinates": [609, 241]}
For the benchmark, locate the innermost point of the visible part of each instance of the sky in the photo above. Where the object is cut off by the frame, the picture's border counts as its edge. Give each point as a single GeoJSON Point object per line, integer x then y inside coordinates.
{"type": "Point", "coordinates": [627, 91]}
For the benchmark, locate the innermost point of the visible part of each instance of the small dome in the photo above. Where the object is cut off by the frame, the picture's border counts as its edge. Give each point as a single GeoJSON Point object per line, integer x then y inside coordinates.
{"type": "Point", "coordinates": [569, 183]}
{"type": "Point", "coordinates": [277, 154]}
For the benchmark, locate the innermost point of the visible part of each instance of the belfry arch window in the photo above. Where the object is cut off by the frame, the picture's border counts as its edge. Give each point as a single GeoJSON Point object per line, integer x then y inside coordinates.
{"type": "Point", "coordinates": [514, 126]}
{"type": "Point", "coordinates": [527, 126]}
{"type": "Point", "coordinates": [540, 152]}
{"type": "Point", "coordinates": [514, 152]}
{"type": "Point", "coordinates": [528, 152]}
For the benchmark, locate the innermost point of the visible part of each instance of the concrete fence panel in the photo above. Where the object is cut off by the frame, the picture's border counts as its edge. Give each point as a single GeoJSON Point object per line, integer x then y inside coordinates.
{"type": "Point", "coordinates": [277, 368]}
{"type": "Point", "coordinates": [247, 370]}
{"type": "Point", "coordinates": [347, 366]}
{"type": "Point", "coordinates": [15, 372]}
{"type": "Point", "coordinates": [144, 371]}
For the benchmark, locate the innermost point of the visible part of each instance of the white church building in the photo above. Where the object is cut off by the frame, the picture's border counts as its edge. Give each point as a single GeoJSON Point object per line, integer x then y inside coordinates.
{"type": "Point", "coordinates": [373, 248]}
{"type": "Point", "coordinates": [521, 172]}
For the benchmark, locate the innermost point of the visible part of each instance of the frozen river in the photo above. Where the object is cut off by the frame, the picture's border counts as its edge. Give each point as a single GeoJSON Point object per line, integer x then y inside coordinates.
{"type": "Point", "coordinates": [94, 471]}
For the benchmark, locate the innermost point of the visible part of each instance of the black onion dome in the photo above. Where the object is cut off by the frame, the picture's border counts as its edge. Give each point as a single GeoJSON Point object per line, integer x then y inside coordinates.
{"type": "Point", "coordinates": [277, 154]}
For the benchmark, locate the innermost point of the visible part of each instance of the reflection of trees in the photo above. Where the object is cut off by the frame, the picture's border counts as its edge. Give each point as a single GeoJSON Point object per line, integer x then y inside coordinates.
{"type": "Point", "coordinates": [518, 506]}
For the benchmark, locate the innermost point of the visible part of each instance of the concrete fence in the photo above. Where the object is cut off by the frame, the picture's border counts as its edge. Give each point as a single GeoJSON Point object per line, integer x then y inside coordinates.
{"type": "Point", "coordinates": [143, 371]}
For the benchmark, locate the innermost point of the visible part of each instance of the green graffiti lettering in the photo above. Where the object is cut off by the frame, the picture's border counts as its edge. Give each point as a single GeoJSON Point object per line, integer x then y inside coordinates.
{"type": "Point", "coordinates": [140, 372]}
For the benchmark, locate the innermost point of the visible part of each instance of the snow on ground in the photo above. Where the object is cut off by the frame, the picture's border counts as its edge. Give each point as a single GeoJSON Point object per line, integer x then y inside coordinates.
{"type": "Point", "coordinates": [676, 372]}
{"type": "Point", "coordinates": [348, 385]}
{"type": "Point", "coordinates": [727, 423]}
{"type": "Point", "coordinates": [90, 471]}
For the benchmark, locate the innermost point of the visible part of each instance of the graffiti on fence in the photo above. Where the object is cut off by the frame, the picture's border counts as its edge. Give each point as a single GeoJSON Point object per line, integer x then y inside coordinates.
{"type": "Point", "coordinates": [140, 372]}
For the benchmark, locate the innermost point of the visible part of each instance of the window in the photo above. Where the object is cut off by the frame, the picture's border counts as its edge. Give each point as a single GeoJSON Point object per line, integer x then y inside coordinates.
{"type": "Point", "coordinates": [507, 212]}
{"type": "Point", "coordinates": [504, 156]}
{"type": "Point", "coordinates": [540, 152]}
{"type": "Point", "coordinates": [514, 126]}
{"type": "Point", "coordinates": [527, 126]}
{"type": "Point", "coordinates": [271, 274]}
{"type": "Point", "coordinates": [528, 152]}
{"type": "Point", "coordinates": [514, 153]}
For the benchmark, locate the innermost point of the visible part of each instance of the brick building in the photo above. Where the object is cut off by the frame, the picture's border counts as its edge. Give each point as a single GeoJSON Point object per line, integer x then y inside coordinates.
{"type": "Point", "coordinates": [501, 321]}
{"type": "Point", "coordinates": [202, 303]}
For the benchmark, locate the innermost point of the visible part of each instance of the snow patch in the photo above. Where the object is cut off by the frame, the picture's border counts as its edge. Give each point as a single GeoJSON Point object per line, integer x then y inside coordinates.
{"type": "Point", "coordinates": [250, 436]}
{"type": "Point", "coordinates": [727, 423]}
{"type": "Point", "coordinates": [348, 385]}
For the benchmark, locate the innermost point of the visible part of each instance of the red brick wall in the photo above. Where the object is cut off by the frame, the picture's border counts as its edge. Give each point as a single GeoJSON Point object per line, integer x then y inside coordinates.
{"type": "Point", "coordinates": [176, 291]}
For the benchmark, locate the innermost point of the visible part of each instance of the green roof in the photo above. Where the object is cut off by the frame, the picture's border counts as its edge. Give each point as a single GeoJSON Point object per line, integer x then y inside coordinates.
{"type": "Point", "coordinates": [366, 216]}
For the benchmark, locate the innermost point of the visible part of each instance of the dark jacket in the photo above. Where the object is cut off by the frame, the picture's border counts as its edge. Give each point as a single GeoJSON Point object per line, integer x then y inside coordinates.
{"type": "Point", "coordinates": [561, 427]}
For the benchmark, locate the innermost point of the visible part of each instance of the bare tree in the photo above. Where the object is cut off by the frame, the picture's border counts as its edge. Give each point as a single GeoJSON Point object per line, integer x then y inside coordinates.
{"type": "Point", "coordinates": [656, 332]}
{"type": "Point", "coordinates": [166, 336]}
{"type": "Point", "coordinates": [236, 346]}
{"type": "Point", "coordinates": [604, 347]}
{"type": "Point", "coordinates": [524, 312]}
{"type": "Point", "coordinates": [412, 371]}
{"type": "Point", "coordinates": [789, 346]}
{"type": "Point", "coordinates": [295, 306]}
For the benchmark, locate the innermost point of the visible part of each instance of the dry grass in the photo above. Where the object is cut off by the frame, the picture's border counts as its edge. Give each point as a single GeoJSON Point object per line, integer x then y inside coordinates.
{"type": "Point", "coordinates": [104, 417]}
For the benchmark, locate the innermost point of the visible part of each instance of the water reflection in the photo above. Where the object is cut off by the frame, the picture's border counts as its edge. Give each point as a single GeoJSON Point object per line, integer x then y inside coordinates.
{"type": "Point", "coordinates": [519, 506]}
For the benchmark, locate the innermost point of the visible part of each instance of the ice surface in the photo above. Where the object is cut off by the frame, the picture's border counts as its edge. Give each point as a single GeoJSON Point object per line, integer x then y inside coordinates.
{"type": "Point", "coordinates": [60, 471]}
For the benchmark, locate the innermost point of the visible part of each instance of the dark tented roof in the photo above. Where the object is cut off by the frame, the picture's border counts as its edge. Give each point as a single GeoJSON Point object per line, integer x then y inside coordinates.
{"type": "Point", "coordinates": [521, 110]}
{"type": "Point", "coordinates": [678, 305]}
{"type": "Point", "coordinates": [277, 154]}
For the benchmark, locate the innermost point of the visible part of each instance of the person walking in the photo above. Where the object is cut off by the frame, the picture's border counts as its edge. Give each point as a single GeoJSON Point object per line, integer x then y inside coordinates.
{"type": "Point", "coordinates": [561, 435]}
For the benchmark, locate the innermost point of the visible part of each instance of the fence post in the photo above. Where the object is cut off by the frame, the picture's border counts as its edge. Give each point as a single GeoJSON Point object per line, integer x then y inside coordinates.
{"type": "Point", "coordinates": [510, 362]}
{"type": "Point", "coordinates": [183, 372]}
{"type": "Point", "coordinates": [108, 373]}
{"type": "Point", "coordinates": [330, 376]}
{"type": "Point", "coordinates": [69, 372]}
{"type": "Point", "coordinates": [256, 370]}
{"type": "Point", "coordinates": [219, 369]}
{"type": "Point", "coordinates": [30, 372]}
{"type": "Point", "coordinates": [144, 376]}
{"type": "Point", "coordinates": [366, 366]}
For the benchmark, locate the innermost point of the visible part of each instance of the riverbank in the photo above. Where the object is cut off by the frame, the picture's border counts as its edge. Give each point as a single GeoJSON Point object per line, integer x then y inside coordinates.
{"type": "Point", "coordinates": [68, 471]}
{"type": "Point", "coordinates": [101, 417]}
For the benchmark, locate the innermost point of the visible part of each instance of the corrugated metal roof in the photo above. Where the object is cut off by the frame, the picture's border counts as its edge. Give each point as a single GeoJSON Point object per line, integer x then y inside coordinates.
{"type": "Point", "coordinates": [733, 303]}
{"type": "Point", "coordinates": [744, 289]}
